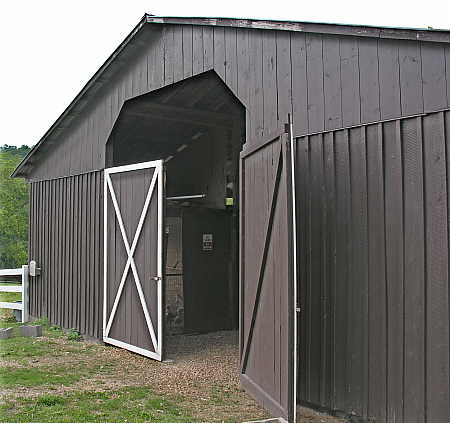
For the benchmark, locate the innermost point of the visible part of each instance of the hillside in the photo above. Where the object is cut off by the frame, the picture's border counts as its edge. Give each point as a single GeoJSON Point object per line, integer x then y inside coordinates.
{"type": "Point", "coordinates": [13, 209]}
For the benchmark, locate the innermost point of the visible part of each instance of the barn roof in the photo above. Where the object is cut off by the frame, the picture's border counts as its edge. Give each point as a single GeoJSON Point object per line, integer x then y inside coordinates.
{"type": "Point", "coordinates": [99, 79]}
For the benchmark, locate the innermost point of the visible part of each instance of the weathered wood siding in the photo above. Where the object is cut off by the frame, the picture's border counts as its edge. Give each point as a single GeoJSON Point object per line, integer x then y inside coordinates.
{"type": "Point", "coordinates": [65, 239]}
{"type": "Point", "coordinates": [326, 81]}
{"type": "Point", "coordinates": [373, 210]}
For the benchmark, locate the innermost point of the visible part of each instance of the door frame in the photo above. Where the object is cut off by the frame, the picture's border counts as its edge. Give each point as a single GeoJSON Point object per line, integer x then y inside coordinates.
{"type": "Point", "coordinates": [108, 190]}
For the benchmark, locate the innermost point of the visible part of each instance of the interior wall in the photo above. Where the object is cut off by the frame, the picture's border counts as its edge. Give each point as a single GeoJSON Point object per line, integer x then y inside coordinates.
{"type": "Point", "coordinates": [174, 293]}
{"type": "Point", "coordinates": [209, 165]}
{"type": "Point", "coordinates": [206, 273]}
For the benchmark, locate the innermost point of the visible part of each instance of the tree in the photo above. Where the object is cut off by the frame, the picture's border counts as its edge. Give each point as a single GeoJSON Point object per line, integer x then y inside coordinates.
{"type": "Point", "coordinates": [13, 209]}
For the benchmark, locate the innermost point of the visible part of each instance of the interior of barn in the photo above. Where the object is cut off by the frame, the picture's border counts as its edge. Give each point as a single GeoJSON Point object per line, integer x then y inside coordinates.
{"type": "Point", "coordinates": [197, 126]}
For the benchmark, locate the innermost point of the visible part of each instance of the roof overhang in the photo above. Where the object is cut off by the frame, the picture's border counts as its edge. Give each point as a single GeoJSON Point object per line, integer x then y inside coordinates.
{"type": "Point", "coordinates": [422, 34]}
{"type": "Point", "coordinates": [98, 80]}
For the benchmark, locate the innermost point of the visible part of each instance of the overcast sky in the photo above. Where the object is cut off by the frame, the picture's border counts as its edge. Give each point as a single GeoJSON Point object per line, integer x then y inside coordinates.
{"type": "Point", "coordinates": [50, 49]}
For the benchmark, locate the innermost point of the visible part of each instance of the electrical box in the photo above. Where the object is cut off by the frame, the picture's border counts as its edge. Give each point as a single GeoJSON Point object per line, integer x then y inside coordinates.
{"type": "Point", "coordinates": [33, 269]}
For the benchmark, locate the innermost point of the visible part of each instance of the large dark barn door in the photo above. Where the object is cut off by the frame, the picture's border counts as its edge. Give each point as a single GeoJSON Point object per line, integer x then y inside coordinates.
{"type": "Point", "coordinates": [267, 316]}
{"type": "Point", "coordinates": [133, 296]}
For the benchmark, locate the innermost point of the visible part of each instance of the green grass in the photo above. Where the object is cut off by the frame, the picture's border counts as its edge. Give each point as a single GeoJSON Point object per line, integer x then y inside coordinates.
{"type": "Point", "coordinates": [73, 335]}
{"type": "Point", "coordinates": [9, 297]}
{"type": "Point", "coordinates": [50, 400]}
{"type": "Point", "coordinates": [33, 376]}
{"type": "Point", "coordinates": [131, 405]}
{"type": "Point", "coordinates": [23, 348]}
{"type": "Point", "coordinates": [50, 375]}
{"type": "Point", "coordinates": [20, 347]}
{"type": "Point", "coordinates": [222, 396]}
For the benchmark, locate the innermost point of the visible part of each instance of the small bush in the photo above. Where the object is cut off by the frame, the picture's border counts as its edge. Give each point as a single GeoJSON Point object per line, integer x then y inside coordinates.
{"type": "Point", "coordinates": [43, 321]}
{"type": "Point", "coordinates": [73, 335]}
{"type": "Point", "coordinates": [49, 400]}
{"type": "Point", "coordinates": [54, 328]}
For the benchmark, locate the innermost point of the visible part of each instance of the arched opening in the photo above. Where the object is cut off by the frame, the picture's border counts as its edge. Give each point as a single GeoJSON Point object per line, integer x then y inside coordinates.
{"type": "Point", "coordinates": [197, 126]}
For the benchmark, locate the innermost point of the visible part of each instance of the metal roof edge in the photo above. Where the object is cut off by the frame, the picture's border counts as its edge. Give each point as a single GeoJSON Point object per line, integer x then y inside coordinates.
{"type": "Point", "coordinates": [17, 171]}
{"type": "Point", "coordinates": [422, 34]}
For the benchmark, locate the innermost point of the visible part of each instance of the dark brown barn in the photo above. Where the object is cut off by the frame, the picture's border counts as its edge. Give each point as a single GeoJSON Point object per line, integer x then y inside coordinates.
{"type": "Point", "coordinates": [308, 161]}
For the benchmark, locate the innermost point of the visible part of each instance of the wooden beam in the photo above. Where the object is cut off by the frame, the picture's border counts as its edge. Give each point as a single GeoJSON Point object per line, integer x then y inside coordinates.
{"type": "Point", "coordinates": [182, 114]}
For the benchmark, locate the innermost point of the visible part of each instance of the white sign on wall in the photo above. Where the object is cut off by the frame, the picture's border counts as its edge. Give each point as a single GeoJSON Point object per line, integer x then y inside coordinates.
{"type": "Point", "coordinates": [207, 242]}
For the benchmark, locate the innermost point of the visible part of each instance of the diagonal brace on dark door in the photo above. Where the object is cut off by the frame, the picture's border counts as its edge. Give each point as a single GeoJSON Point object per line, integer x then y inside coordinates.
{"type": "Point", "coordinates": [263, 261]}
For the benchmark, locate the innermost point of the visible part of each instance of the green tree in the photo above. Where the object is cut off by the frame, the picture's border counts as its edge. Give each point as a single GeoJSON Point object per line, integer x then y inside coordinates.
{"type": "Point", "coordinates": [13, 209]}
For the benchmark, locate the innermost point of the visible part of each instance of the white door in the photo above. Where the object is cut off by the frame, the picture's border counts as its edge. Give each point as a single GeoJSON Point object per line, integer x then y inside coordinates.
{"type": "Point", "coordinates": [133, 248]}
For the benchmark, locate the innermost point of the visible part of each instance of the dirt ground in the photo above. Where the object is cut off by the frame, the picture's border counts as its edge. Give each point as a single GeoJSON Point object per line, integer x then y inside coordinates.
{"type": "Point", "coordinates": [200, 375]}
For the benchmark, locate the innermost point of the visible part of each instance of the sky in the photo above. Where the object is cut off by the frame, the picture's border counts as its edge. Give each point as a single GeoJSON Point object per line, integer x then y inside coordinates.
{"type": "Point", "coordinates": [50, 49]}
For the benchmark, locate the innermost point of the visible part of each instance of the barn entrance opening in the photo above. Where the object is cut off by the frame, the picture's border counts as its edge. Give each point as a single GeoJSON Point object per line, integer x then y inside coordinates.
{"type": "Point", "coordinates": [197, 128]}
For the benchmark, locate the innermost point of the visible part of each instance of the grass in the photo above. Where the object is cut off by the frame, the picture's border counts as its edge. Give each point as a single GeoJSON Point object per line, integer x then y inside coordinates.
{"type": "Point", "coordinates": [19, 348]}
{"type": "Point", "coordinates": [131, 405]}
{"type": "Point", "coordinates": [28, 377]}
{"type": "Point", "coordinates": [73, 335]}
{"type": "Point", "coordinates": [9, 297]}
{"type": "Point", "coordinates": [222, 396]}
{"type": "Point", "coordinates": [22, 349]}
{"type": "Point", "coordinates": [49, 375]}
{"type": "Point", "coordinates": [35, 363]}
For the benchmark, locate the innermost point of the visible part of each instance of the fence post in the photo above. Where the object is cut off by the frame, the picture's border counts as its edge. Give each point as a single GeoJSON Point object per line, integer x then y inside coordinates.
{"type": "Point", "coordinates": [24, 293]}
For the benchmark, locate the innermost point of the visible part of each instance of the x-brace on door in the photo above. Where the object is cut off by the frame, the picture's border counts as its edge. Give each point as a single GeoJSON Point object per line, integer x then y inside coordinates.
{"type": "Point", "coordinates": [133, 252]}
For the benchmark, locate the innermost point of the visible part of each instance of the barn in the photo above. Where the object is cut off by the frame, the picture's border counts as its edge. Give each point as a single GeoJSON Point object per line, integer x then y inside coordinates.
{"type": "Point", "coordinates": [286, 178]}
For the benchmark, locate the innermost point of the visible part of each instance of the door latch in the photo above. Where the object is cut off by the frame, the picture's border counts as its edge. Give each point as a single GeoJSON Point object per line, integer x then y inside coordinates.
{"type": "Point", "coordinates": [156, 278]}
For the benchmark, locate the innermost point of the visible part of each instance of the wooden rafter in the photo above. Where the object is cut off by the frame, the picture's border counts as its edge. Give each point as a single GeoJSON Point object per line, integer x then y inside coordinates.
{"type": "Point", "coordinates": [182, 114]}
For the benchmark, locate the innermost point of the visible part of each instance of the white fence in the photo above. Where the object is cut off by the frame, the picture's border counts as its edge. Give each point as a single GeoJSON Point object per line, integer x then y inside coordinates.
{"type": "Point", "coordinates": [23, 306]}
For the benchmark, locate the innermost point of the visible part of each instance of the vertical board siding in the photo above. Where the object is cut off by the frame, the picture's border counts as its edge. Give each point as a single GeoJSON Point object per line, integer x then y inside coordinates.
{"type": "Point", "coordinates": [327, 81]}
{"type": "Point", "coordinates": [65, 240]}
{"type": "Point", "coordinates": [332, 83]}
{"type": "Point", "coordinates": [377, 271]}
{"type": "Point", "coordinates": [411, 89]}
{"type": "Point", "coordinates": [389, 68]}
{"type": "Point", "coordinates": [373, 253]}
{"type": "Point", "coordinates": [369, 79]}
{"type": "Point", "coordinates": [350, 81]}
{"type": "Point", "coordinates": [314, 78]}
{"type": "Point", "coordinates": [436, 251]}
{"type": "Point", "coordinates": [434, 77]}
